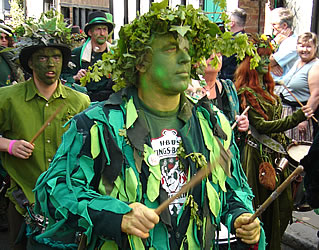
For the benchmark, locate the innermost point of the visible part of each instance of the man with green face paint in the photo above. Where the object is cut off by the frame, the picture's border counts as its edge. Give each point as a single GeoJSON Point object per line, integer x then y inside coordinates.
{"type": "Point", "coordinates": [98, 29]}
{"type": "Point", "coordinates": [122, 158]}
{"type": "Point", "coordinates": [24, 108]}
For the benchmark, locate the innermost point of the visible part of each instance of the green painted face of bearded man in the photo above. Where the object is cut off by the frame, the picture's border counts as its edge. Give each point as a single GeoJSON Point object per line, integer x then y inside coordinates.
{"type": "Point", "coordinates": [46, 64]}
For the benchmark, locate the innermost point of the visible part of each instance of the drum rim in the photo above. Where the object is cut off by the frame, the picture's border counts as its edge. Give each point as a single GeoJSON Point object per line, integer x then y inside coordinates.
{"type": "Point", "coordinates": [292, 162]}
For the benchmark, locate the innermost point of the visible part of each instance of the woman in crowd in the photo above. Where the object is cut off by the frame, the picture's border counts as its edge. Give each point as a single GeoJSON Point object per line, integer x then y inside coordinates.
{"type": "Point", "coordinates": [266, 142]}
{"type": "Point", "coordinates": [222, 93]}
{"type": "Point", "coordinates": [303, 82]}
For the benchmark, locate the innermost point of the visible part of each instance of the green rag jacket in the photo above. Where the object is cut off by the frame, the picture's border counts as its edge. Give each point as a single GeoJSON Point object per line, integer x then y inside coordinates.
{"type": "Point", "coordinates": [102, 166]}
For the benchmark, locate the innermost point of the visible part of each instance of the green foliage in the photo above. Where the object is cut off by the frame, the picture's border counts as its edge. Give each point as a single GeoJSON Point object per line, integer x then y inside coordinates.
{"type": "Point", "coordinates": [49, 28]}
{"type": "Point", "coordinates": [135, 39]}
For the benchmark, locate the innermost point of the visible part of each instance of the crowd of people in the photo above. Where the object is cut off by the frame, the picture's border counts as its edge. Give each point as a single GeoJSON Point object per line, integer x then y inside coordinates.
{"type": "Point", "coordinates": [85, 167]}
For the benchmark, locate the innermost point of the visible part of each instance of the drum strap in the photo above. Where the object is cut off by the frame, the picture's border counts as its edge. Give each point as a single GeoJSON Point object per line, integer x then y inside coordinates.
{"type": "Point", "coordinates": [267, 141]}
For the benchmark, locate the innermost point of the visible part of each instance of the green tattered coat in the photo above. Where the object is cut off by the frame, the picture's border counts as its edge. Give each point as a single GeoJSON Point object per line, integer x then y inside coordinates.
{"type": "Point", "coordinates": [102, 165]}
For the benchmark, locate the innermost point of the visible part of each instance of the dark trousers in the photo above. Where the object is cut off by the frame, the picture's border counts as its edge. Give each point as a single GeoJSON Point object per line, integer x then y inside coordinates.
{"type": "Point", "coordinates": [16, 224]}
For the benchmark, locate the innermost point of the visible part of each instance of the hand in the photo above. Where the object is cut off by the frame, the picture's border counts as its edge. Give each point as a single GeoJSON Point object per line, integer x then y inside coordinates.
{"type": "Point", "coordinates": [242, 123]}
{"type": "Point", "coordinates": [22, 149]}
{"type": "Point", "coordinates": [302, 127]}
{"type": "Point", "coordinates": [307, 111]}
{"type": "Point", "coordinates": [285, 33]}
{"type": "Point", "coordinates": [139, 221]}
{"type": "Point", "coordinates": [277, 70]}
{"type": "Point", "coordinates": [80, 74]}
{"type": "Point", "coordinates": [249, 233]}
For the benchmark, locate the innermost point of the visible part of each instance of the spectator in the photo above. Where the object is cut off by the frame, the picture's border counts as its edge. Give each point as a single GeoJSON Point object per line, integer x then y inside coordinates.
{"type": "Point", "coordinates": [266, 142]}
{"type": "Point", "coordinates": [221, 92]}
{"type": "Point", "coordinates": [10, 72]}
{"type": "Point", "coordinates": [24, 108]}
{"type": "Point", "coordinates": [122, 158]}
{"type": "Point", "coordinates": [283, 59]}
{"type": "Point", "coordinates": [237, 25]}
{"type": "Point", "coordinates": [303, 82]}
{"type": "Point", "coordinates": [78, 36]}
{"type": "Point", "coordinates": [97, 29]}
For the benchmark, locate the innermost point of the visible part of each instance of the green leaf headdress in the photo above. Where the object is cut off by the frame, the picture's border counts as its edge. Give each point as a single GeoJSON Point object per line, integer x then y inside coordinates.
{"type": "Point", "coordinates": [135, 39]}
{"type": "Point", "coordinates": [49, 30]}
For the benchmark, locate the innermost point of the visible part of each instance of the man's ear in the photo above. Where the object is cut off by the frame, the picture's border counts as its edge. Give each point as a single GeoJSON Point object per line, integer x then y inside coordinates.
{"type": "Point", "coordinates": [30, 63]}
{"type": "Point", "coordinates": [145, 63]}
{"type": "Point", "coordinates": [90, 32]}
{"type": "Point", "coordinates": [285, 26]}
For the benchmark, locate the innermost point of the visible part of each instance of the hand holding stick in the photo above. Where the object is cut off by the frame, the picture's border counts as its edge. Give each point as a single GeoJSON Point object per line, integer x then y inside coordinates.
{"type": "Point", "coordinates": [276, 193]}
{"type": "Point", "coordinates": [244, 112]}
{"type": "Point", "coordinates": [282, 83]}
{"type": "Point", "coordinates": [50, 119]}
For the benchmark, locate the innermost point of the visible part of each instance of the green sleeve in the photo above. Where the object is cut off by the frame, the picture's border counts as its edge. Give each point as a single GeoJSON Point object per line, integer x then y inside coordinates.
{"type": "Point", "coordinates": [66, 188]}
{"type": "Point", "coordinates": [275, 126]}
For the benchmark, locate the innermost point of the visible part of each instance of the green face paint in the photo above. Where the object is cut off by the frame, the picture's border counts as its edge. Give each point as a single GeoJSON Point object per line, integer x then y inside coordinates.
{"type": "Point", "coordinates": [46, 64]}
{"type": "Point", "coordinates": [169, 70]}
{"type": "Point", "coordinates": [99, 33]}
{"type": "Point", "coordinates": [262, 67]}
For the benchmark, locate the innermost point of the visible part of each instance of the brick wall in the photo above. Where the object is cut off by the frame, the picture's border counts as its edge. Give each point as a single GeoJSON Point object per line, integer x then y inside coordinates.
{"type": "Point", "coordinates": [255, 14]}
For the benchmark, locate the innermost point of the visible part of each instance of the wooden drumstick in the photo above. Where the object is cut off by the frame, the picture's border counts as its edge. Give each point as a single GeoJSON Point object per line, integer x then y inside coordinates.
{"type": "Point", "coordinates": [192, 183]}
{"type": "Point", "coordinates": [274, 195]}
{"type": "Point", "coordinates": [282, 83]}
{"type": "Point", "coordinates": [50, 119]}
{"type": "Point", "coordinates": [245, 111]}
{"type": "Point", "coordinates": [205, 171]}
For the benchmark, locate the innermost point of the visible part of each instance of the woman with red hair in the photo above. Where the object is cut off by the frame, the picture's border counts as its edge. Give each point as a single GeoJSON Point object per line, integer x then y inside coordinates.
{"type": "Point", "coordinates": [266, 144]}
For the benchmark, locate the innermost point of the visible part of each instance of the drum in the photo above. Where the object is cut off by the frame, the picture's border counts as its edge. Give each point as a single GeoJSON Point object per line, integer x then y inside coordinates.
{"type": "Point", "coordinates": [296, 151]}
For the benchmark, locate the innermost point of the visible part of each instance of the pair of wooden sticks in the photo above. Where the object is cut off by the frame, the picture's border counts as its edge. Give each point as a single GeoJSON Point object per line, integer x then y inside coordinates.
{"type": "Point", "coordinates": [222, 159]}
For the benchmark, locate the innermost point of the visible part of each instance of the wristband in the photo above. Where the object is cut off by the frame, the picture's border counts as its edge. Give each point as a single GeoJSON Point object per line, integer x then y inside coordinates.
{"type": "Point", "coordinates": [11, 145]}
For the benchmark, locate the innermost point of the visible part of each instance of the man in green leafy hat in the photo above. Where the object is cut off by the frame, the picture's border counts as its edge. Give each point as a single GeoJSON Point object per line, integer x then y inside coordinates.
{"type": "Point", "coordinates": [98, 29]}
{"type": "Point", "coordinates": [25, 107]}
{"type": "Point", "coordinates": [122, 158]}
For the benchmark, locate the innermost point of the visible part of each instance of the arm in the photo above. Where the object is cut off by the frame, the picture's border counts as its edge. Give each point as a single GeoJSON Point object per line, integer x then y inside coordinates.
{"type": "Point", "coordinates": [275, 126]}
{"type": "Point", "coordinates": [18, 148]}
{"type": "Point", "coordinates": [67, 190]}
{"type": "Point", "coordinates": [249, 233]}
{"type": "Point", "coordinates": [313, 83]}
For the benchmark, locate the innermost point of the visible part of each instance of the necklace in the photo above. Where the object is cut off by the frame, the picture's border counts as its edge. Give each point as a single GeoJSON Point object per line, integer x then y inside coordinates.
{"type": "Point", "coordinates": [208, 90]}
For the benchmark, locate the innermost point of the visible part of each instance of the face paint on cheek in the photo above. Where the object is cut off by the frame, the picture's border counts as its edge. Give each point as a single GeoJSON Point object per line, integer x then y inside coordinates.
{"type": "Point", "coordinates": [48, 72]}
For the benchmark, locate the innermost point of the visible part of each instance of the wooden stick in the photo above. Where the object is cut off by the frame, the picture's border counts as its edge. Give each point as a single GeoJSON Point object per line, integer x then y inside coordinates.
{"type": "Point", "coordinates": [205, 171]}
{"type": "Point", "coordinates": [192, 183]}
{"type": "Point", "coordinates": [47, 123]}
{"type": "Point", "coordinates": [281, 83]}
{"type": "Point", "coordinates": [276, 193]}
{"type": "Point", "coordinates": [245, 111]}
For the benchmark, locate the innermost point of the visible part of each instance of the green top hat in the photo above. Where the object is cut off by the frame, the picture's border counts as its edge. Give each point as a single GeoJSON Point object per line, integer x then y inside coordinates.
{"type": "Point", "coordinates": [98, 18]}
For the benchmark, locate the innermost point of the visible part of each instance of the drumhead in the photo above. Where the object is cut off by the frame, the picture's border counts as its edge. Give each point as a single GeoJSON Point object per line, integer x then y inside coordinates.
{"type": "Point", "coordinates": [297, 151]}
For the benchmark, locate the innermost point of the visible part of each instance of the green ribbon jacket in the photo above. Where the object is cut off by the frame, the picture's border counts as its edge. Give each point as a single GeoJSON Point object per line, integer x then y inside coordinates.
{"type": "Point", "coordinates": [102, 166]}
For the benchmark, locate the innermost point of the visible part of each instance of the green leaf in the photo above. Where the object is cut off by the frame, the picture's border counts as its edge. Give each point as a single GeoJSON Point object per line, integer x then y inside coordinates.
{"type": "Point", "coordinates": [159, 6]}
{"type": "Point", "coordinates": [182, 30]}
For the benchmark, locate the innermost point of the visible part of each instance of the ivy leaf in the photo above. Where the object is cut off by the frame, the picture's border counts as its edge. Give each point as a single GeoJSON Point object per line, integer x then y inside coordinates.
{"type": "Point", "coordinates": [159, 6]}
{"type": "Point", "coordinates": [182, 30]}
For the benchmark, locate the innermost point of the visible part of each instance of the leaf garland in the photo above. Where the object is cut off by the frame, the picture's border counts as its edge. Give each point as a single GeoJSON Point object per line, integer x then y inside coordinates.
{"type": "Point", "coordinates": [135, 38]}
{"type": "Point", "coordinates": [49, 28]}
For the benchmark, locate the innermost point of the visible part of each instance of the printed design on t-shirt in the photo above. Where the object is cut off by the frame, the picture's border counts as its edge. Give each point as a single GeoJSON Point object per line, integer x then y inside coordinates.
{"type": "Point", "coordinates": [173, 178]}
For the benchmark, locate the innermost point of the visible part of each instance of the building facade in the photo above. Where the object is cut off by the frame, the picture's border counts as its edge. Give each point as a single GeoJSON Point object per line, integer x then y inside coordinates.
{"type": "Point", "coordinates": [124, 11]}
